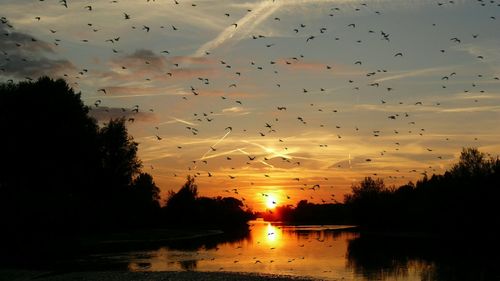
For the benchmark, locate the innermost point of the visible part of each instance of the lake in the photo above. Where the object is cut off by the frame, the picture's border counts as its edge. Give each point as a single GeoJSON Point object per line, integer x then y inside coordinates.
{"type": "Point", "coordinates": [326, 252]}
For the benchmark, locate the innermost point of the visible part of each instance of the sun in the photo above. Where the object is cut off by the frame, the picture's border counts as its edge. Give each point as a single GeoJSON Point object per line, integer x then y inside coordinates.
{"type": "Point", "coordinates": [271, 201]}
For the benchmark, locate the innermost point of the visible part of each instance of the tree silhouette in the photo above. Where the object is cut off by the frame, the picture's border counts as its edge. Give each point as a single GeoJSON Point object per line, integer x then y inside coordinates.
{"type": "Point", "coordinates": [119, 155]}
{"type": "Point", "coordinates": [49, 154]}
{"type": "Point", "coordinates": [181, 206]}
{"type": "Point", "coordinates": [472, 163]}
{"type": "Point", "coordinates": [119, 165]}
{"type": "Point", "coordinates": [369, 202]}
{"type": "Point", "coordinates": [187, 195]}
{"type": "Point", "coordinates": [60, 172]}
{"type": "Point", "coordinates": [186, 208]}
{"type": "Point", "coordinates": [145, 200]}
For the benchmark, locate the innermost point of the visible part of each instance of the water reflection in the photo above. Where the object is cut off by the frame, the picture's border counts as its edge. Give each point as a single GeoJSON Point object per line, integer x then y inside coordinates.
{"type": "Point", "coordinates": [382, 257]}
{"type": "Point", "coordinates": [328, 253]}
{"type": "Point", "coordinates": [275, 249]}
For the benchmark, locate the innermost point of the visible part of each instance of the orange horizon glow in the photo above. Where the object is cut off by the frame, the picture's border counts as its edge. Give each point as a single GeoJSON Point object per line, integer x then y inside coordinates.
{"type": "Point", "coordinates": [262, 195]}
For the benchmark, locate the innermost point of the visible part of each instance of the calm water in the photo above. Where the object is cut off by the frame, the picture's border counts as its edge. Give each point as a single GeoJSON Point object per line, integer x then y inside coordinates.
{"type": "Point", "coordinates": [325, 252]}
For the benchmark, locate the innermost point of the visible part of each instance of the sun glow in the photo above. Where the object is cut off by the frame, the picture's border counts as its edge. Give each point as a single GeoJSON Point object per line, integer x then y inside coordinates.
{"type": "Point", "coordinates": [271, 201]}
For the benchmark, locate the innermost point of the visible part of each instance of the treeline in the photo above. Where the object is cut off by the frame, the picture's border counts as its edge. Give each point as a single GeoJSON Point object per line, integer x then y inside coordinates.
{"type": "Point", "coordinates": [309, 213]}
{"type": "Point", "coordinates": [465, 198]}
{"type": "Point", "coordinates": [185, 207]}
{"type": "Point", "coordinates": [60, 172]}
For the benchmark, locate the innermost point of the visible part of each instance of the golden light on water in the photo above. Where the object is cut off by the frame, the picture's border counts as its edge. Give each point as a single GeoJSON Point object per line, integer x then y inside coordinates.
{"type": "Point", "coordinates": [273, 235]}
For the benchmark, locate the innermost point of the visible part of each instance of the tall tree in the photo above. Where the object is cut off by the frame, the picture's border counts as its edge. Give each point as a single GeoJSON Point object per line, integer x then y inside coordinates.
{"type": "Point", "coordinates": [49, 152]}
{"type": "Point", "coordinates": [119, 155]}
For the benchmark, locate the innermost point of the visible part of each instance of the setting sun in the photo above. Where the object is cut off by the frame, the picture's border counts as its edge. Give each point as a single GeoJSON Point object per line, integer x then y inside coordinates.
{"type": "Point", "coordinates": [271, 201]}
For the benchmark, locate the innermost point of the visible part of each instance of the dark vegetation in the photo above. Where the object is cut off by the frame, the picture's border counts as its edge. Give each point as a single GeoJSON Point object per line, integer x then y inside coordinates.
{"type": "Point", "coordinates": [63, 176]}
{"type": "Point", "coordinates": [226, 212]}
{"type": "Point", "coordinates": [462, 200]}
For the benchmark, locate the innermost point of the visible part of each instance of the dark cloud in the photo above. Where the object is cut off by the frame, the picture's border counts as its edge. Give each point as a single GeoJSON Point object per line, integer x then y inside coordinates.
{"type": "Point", "coordinates": [21, 67]}
{"type": "Point", "coordinates": [104, 113]}
{"type": "Point", "coordinates": [22, 55]}
{"type": "Point", "coordinates": [142, 59]}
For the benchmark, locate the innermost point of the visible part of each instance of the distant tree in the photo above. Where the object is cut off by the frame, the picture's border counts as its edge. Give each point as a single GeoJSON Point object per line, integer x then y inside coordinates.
{"type": "Point", "coordinates": [366, 190]}
{"type": "Point", "coordinates": [185, 196]}
{"type": "Point", "coordinates": [180, 207]}
{"type": "Point", "coordinates": [144, 199]}
{"type": "Point", "coordinates": [472, 163]}
{"type": "Point", "coordinates": [186, 208]}
{"type": "Point", "coordinates": [119, 154]}
{"type": "Point", "coordinates": [369, 202]}
{"type": "Point", "coordinates": [146, 191]}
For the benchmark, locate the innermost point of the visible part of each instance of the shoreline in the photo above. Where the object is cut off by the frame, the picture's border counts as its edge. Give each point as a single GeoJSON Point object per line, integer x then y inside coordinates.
{"type": "Point", "coordinates": [19, 275]}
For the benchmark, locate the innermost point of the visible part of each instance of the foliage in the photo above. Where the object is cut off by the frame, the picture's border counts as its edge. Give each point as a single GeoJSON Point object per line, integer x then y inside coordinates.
{"type": "Point", "coordinates": [464, 198]}
{"type": "Point", "coordinates": [118, 154]}
{"type": "Point", "coordinates": [144, 200]}
{"type": "Point", "coordinates": [60, 172]}
{"type": "Point", "coordinates": [309, 213]}
{"type": "Point", "coordinates": [472, 163]}
{"type": "Point", "coordinates": [187, 209]}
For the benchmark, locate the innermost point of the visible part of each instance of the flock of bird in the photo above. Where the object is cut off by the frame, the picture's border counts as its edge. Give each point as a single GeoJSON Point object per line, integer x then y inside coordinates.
{"type": "Point", "coordinates": [286, 118]}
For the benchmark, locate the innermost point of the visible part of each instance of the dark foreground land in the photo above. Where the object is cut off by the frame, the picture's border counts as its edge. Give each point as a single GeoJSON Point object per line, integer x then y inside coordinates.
{"type": "Point", "coordinates": [142, 276]}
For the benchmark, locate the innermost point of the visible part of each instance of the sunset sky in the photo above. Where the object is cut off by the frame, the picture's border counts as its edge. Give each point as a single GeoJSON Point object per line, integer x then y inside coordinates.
{"type": "Point", "coordinates": [295, 99]}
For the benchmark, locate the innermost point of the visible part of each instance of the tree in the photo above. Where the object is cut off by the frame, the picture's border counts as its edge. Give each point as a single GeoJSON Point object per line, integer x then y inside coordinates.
{"type": "Point", "coordinates": [144, 199]}
{"type": "Point", "coordinates": [366, 190]}
{"type": "Point", "coordinates": [119, 155]}
{"type": "Point", "coordinates": [60, 172]}
{"type": "Point", "coordinates": [186, 208]}
{"type": "Point", "coordinates": [49, 154]}
{"type": "Point", "coordinates": [369, 201]}
{"type": "Point", "coordinates": [181, 206]}
{"type": "Point", "coordinates": [472, 163]}
{"type": "Point", "coordinates": [185, 196]}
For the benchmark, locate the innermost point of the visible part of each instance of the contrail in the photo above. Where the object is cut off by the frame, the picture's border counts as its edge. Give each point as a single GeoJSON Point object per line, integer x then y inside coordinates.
{"type": "Point", "coordinates": [246, 23]}
{"type": "Point", "coordinates": [174, 120]}
{"type": "Point", "coordinates": [261, 161]}
{"type": "Point", "coordinates": [414, 73]}
{"type": "Point", "coordinates": [221, 139]}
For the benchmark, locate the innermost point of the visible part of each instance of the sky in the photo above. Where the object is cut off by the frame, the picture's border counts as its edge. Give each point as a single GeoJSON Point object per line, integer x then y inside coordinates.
{"type": "Point", "coordinates": [274, 100]}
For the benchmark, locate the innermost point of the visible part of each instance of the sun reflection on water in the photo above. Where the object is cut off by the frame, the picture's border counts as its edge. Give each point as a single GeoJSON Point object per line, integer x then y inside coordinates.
{"type": "Point", "coordinates": [272, 235]}
{"type": "Point", "coordinates": [272, 249]}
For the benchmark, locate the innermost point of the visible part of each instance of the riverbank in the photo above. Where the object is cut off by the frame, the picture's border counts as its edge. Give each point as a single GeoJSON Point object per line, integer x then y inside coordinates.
{"type": "Point", "coordinates": [143, 276]}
